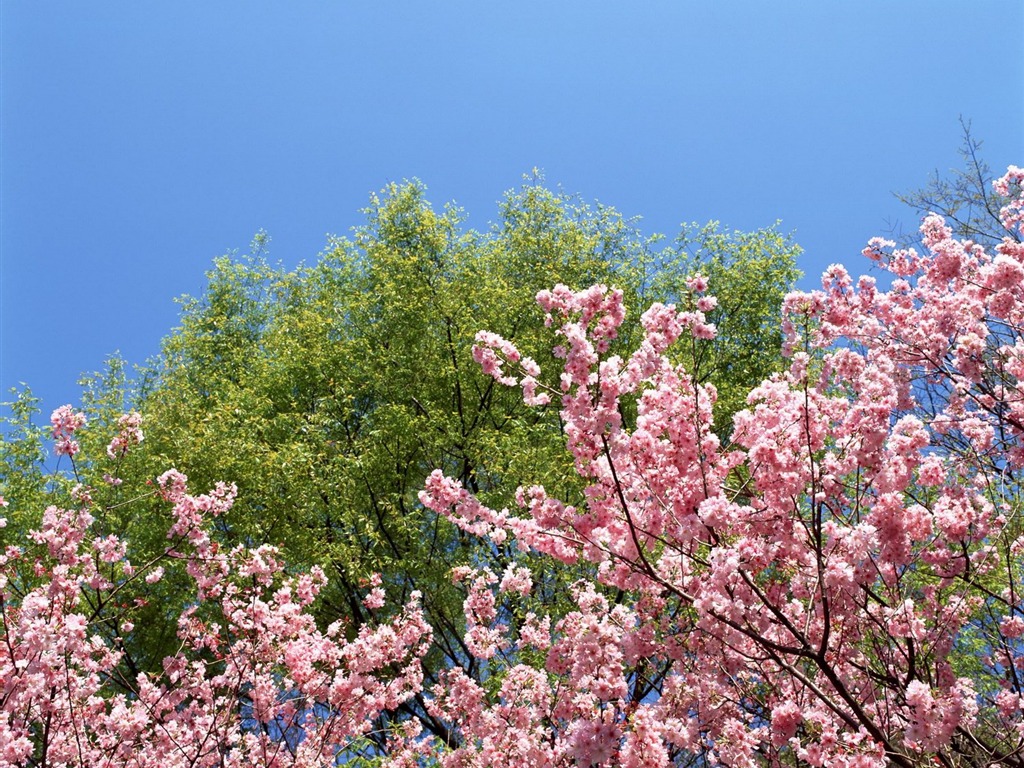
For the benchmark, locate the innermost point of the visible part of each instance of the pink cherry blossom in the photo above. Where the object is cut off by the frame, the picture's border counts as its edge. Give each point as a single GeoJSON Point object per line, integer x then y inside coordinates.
{"type": "Point", "coordinates": [803, 587]}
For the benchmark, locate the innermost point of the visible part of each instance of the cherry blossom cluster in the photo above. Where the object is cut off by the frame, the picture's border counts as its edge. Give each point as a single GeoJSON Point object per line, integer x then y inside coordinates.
{"type": "Point", "coordinates": [255, 682]}
{"type": "Point", "coordinates": [129, 434]}
{"type": "Point", "coordinates": [839, 585]}
{"type": "Point", "coordinates": [65, 422]}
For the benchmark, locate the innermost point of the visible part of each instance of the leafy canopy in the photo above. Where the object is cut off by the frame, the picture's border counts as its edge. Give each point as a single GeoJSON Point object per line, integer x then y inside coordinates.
{"type": "Point", "coordinates": [327, 393]}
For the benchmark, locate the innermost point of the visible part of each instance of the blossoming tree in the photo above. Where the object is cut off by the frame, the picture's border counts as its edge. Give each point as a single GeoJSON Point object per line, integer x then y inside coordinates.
{"type": "Point", "coordinates": [838, 585]}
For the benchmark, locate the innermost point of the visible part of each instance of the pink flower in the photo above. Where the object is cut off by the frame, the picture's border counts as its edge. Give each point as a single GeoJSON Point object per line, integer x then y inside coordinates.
{"type": "Point", "coordinates": [375, 599]}
{"type": "Point", "coordinates": [697, 283]}
{"type": "Point", "coordinates": [130, 434]}
{"type": "Point", "coordinates": [1012, 627]}
{"type": "Point", "coordinates": [65, 421]}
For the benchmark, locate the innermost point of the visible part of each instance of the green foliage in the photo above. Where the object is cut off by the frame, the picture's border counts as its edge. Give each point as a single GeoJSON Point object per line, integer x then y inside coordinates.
{"type": "Point", "coordinates": [329, 392]}
{"type": "Point", "coordinates": [22, 462]}
{"type": "Point", "coordinates": [749, 273]}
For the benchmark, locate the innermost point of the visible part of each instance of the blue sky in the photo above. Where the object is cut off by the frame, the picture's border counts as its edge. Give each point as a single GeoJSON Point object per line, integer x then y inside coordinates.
{"type": "Point", "coordinates": [139, 140]}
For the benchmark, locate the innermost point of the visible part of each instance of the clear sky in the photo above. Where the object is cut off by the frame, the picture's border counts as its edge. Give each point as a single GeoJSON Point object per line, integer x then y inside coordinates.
{"type": "Point", "coordinates": [139, 140]}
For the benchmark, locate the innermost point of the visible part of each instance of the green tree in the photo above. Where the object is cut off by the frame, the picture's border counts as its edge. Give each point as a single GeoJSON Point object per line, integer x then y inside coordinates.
{"type": "Point", "coordinates": [329, 392]}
